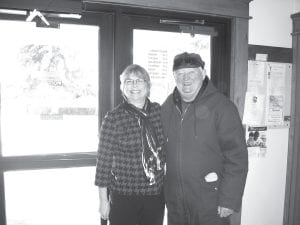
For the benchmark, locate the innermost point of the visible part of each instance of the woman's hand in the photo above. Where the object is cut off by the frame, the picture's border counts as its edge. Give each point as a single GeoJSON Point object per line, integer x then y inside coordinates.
{"type": "Point", "coordinates": [104, 207]}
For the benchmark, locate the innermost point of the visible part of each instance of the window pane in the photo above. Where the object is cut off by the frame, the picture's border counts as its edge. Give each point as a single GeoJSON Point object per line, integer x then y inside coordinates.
{"type": "Point", "coordinates": [155, 50]}
{"type": "Point", "coordinates": [49, 88]}
{"type": "Point", "coordinates": [54, 196]}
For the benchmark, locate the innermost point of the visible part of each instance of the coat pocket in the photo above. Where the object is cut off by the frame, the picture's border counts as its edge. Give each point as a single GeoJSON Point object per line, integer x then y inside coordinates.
{"type": "Point", "coordinates": [210, 194]}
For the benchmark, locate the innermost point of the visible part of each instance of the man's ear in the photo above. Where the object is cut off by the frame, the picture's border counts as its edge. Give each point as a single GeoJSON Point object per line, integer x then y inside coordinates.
{"type": "Point", "coordinates": [203, 72]}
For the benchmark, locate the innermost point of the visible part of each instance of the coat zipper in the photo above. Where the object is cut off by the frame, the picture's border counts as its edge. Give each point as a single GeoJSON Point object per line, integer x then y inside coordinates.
{"type": "Point", "coordinates": [180, 160]}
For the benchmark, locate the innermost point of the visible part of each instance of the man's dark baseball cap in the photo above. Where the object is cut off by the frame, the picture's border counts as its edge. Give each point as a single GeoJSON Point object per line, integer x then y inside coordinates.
{"type": "Point", "coordinates": [187, 60]}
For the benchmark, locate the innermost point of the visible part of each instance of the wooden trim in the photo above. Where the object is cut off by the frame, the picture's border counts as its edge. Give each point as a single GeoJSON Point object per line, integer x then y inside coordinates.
{"type": "Point", "coordinates": [106, 64]}
{"type": "Point", "coordinates": [239, 62]}
{"type": "Point", "coordinates": [292, 203]}
{"type": "Point", "coordinates": [239, 74]}
{"type": "Point", "coordinates": [220, 57]}
{"type": "Point", "coordinates": [123, 51]}
{"type": "Point", "coordinates": [2, 200]}
{"type": "Point", "coordinates": [275, 54]}
{"type": "Point", "coordinates": [295, 16]}
{"type": "Point", "coordinates": [224, 8]}
{"type": "Point", "coordinates": [47, 161]}
{"type": "Point", "coordinates": [66, 6]}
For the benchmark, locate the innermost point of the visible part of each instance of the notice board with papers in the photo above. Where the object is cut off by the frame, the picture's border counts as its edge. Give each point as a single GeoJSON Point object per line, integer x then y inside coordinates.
{"type": "Point", "coordinates": [266, 118]}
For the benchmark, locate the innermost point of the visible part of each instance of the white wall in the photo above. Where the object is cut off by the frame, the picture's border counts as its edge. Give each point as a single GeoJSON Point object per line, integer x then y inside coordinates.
{"type": "Point", "coordinates": [263, 202]}
{"type": "Point", "coordinates": [271, 23]}
{"type": "Point", "coordinates": [296, 6]}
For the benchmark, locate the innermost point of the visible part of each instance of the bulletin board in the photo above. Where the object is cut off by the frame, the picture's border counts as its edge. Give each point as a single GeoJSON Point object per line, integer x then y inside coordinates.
{"type": "Point", "coordinates": [265, 191]}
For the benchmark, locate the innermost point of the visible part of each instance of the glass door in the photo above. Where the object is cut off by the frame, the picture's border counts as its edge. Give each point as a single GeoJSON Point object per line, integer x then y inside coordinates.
{"type": "Point", "coordinates": [51, 107]}
{"type": "Point", "coordinates": [153, 39]}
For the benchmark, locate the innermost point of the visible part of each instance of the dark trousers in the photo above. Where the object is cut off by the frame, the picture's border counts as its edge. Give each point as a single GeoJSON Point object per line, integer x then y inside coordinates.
{"type": "Point", "coordinates": [202, 211]}
{"type": "Point", "coordinates": [205, 220]}
{"type": "Point", "coordinates": [136, 209]}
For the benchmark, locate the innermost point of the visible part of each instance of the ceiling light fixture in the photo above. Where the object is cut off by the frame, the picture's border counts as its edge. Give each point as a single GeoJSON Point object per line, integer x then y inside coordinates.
{"type": "Point", "coordinates": [13, 12]}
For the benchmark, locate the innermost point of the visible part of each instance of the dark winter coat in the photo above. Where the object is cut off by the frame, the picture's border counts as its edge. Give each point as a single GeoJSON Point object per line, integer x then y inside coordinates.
{"type": "Point", "coordinates": [207, 138]}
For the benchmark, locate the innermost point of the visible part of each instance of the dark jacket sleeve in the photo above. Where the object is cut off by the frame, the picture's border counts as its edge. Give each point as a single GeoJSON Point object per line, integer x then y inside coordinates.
{"type": "Point", "coordinates": [107, 146]}
{"type": "Point", "coordinates": [233, 145]}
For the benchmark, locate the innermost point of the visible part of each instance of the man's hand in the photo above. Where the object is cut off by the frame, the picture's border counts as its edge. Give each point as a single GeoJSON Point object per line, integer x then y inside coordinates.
{"type": "Point", "coordinates": [224, 212]}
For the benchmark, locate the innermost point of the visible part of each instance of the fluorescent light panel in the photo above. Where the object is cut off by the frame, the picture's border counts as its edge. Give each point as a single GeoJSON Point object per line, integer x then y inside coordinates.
{"type": "Point", "coordinates": [71, 16]}
{"type": "Point", "coordinates": [63, 15]}
{"type": "Point", "coordinates": [13, 12]}
{"type": "Point", "coordinates": [24, 13]}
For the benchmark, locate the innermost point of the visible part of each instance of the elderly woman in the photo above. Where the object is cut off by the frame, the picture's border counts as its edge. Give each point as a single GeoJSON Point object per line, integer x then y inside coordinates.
{"type": "Point", "coordinates": [130, 161]}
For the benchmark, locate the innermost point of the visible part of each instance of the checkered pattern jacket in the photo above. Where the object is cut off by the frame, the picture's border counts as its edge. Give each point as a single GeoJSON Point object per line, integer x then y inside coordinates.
{"type": "Point", "coordinates": [119, 160]}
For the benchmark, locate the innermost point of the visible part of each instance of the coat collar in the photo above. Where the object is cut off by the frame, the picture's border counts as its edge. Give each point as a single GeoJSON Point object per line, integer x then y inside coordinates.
{"type": "Point", "coordinates": [177, 98]}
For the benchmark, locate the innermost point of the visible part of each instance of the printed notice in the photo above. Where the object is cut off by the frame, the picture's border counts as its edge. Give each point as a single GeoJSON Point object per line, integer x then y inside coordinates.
{"type": "Point", "coordinates": [257, 79]}
{"type": "Point", "coordinates": [256, 139]}
{"type": "Point", "coordinates": [254, 112]}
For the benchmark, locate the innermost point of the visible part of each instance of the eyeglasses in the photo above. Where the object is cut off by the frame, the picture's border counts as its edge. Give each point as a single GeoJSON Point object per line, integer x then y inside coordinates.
{"type": "Point", "coordinates": [137, 82]}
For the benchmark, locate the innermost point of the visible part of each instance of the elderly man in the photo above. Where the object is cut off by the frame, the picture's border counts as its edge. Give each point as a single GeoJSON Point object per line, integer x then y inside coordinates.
{"type": "Point", "coordinates": [207, 159]}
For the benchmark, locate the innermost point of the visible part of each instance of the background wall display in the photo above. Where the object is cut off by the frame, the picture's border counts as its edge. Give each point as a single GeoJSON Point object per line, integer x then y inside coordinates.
{"type": "Point", "coordinates": [267, 109]}
{"type": "Point", "coordinates": [268, 94]}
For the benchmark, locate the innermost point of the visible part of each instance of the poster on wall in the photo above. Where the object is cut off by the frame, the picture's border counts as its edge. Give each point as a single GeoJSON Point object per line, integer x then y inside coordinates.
{"type": "Point", "coordinates": [267, 101]}
{"type": "Point", "coordinates": [254, 112]}
{"type": "Point", "coordinates": [276, 89]}
{"type": "Point", "coordinates": [256, 140]}
{"type": "Point", "coordinates": [255, 99]}
{"type": "Point", "coordinates": [275, 110]}
{"type": "Point", "coordinates": [257, 79]}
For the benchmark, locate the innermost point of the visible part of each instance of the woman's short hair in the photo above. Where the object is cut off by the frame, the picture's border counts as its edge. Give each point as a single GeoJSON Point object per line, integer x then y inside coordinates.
{"type": "Point", "coordinates": [136, 70]}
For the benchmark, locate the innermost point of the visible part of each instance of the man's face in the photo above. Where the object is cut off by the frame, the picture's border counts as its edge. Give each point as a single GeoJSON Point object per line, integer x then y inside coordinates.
{"type": "Point", "coordinates": [189, 82]}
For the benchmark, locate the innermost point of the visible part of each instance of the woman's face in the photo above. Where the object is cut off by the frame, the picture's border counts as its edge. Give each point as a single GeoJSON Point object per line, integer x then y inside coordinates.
{"type": "Point", "coordinates": [135, 89]}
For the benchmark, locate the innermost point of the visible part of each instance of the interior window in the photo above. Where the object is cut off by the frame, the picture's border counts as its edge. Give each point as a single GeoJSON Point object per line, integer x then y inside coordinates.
{"type": "Point", "coordinates": [155, 51]}
{"type": "Point", "coordinates": [51, 196]}
{"type": "Point", "coordinates": [49, 88]}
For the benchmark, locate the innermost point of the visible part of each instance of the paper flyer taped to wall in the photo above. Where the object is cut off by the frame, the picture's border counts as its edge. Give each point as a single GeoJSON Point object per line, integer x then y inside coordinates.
{"type": "Point", "coordinates": [256, 140]}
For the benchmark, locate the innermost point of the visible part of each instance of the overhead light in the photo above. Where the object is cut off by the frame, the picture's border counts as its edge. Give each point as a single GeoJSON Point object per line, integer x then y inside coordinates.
{"type": "Point", "coordinates": [35, 13]}
{"type": "Point", "coordinates": [71, 16]}
{"type": "Point", "coordinates": [13, 12]}
{"type": "Point", "coordinates": [63, 15]}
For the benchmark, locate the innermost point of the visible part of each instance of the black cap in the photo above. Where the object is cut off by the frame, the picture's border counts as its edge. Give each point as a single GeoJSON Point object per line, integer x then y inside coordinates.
{"type": "Point", "coordinates": [187, 60]}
